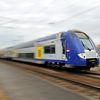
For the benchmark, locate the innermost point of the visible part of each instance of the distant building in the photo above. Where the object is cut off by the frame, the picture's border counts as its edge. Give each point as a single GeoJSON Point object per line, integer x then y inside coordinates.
{"type": "Point", "coordinates": [98, 46]}
{"type": "Point", "coordinates": [99, 51]}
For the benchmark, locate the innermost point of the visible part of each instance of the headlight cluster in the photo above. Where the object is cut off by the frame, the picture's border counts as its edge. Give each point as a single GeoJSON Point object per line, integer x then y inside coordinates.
{"type": "Point", "coordinates": [97, 55]}
{"type": "Point", "coordinates": [82, 55]}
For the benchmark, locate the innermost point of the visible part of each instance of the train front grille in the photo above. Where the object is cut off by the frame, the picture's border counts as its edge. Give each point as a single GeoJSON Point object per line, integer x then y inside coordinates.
{"type": "Point", "coordinates": [92, 62]}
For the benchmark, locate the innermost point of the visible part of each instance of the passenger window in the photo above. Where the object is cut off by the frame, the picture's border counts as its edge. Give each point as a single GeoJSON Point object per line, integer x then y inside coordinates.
{"type": "Point", "coordinates": [52, 49]}
{"type": "Point", "coordinates": [49, 49]}
{"type": "Point", "coordinates": [26, 55]}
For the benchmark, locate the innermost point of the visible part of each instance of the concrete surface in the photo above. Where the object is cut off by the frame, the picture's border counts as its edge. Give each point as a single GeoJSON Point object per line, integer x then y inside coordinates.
{"type": "Point", "coordinates": [21, 85]}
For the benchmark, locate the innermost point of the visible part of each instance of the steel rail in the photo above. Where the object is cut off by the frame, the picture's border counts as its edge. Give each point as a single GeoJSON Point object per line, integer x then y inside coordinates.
{"type": "Point", "coordinates": [58, 75]}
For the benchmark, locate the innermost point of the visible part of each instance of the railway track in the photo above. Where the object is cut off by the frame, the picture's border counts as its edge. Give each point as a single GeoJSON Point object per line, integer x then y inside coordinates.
{"type": "Point", "coordinates": [75, 82]}
{"type": "Point", "coordinates": [91, 74]}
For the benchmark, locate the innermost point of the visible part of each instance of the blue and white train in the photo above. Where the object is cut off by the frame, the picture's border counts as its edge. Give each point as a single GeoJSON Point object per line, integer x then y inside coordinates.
{"type": "Point", "coordinates": [73, 48]}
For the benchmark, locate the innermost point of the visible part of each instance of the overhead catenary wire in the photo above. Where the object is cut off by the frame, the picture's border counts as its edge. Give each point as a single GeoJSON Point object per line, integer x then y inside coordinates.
{"type": "Point", "coordinates": [77, 14]}
{"type": "Point", "coordinates": [10, 20]}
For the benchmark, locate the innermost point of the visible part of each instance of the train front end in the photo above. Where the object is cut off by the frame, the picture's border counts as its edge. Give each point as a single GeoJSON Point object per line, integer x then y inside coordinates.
{"type": "Point", "coordinates": [81, 51]}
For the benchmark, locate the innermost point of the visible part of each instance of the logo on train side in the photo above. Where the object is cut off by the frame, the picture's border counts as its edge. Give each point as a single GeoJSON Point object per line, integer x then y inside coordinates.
{"type": "Point", "coordinates": [39, 50]}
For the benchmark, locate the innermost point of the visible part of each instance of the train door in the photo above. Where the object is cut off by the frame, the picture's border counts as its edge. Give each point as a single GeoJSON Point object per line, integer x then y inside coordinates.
{"type": "Point", "coordinates": [64, 46]}
{"type": "Point", "coordinates": [59, 50]}
{"type": "Point", "coordinates": [66, 49]}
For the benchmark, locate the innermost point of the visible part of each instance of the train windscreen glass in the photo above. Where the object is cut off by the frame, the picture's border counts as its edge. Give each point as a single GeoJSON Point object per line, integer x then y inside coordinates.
{"type": "Point", "coordinates": [85, 41]}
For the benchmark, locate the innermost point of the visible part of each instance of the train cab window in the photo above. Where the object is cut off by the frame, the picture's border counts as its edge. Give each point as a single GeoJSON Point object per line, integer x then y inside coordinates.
{"type": "Point", "coordinates": [82, 35]}
{"type": "Point", "coordinates": [85, 41]}
{"type": "Point", "coordinates": [87, 44]}
{"type": "Point", "coordinates": [49, 49]}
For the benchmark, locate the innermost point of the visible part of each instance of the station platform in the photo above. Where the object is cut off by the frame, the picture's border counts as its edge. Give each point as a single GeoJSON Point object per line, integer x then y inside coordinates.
{"type": "Point", "coordinates": [18, 84]}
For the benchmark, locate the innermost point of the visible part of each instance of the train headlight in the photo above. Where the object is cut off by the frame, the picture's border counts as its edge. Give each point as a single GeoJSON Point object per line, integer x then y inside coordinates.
{"type": "Point", "coordinates": [97, 55]}
{"type": "Point", "coordinates": [82, 55]}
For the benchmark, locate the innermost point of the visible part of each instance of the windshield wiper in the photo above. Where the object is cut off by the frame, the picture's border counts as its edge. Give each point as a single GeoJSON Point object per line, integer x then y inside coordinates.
{"type": "Point", "coordinates": [86, 46]}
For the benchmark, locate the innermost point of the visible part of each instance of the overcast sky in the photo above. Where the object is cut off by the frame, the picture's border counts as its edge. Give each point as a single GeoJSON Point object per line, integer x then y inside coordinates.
{"type": "Point", "coordinates": [24, 20]}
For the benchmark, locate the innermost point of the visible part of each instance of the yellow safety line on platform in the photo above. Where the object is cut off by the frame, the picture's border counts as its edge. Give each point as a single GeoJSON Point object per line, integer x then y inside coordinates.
{"type": "Point", "coordinates": [2, 95]}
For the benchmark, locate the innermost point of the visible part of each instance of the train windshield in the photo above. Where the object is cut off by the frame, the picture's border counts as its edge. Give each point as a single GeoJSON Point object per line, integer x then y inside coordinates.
{"type": "Point", "coordinates": [85, 41]}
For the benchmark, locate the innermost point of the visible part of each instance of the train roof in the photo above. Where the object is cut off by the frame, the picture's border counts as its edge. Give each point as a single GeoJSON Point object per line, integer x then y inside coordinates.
{"type": "Point", "coordinates": [50, 37]}
{"type": "Point", "coordinates": [31, 43]}
{"type": "Point", "coordinates": [74, 30]}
